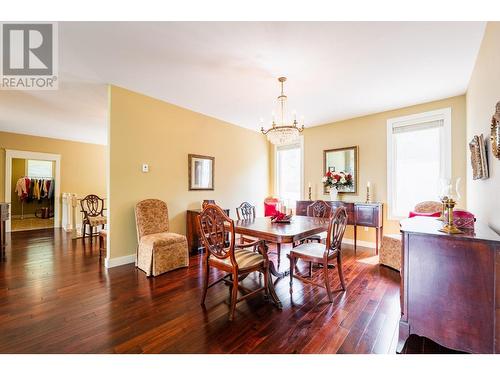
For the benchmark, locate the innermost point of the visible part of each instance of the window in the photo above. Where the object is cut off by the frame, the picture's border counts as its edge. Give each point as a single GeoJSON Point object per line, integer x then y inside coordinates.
{"type": "Point", "coordinates": [39, 168]}
{"type": "Point", "coordinates": [289, 173]}
{"type": "Point", "coordinates": [418, 156]}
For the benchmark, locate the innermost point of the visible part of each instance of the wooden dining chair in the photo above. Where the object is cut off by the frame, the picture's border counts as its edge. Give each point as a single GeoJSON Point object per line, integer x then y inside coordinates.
{"type": "Point", "coordinates": [322, 209]}
{"type": "Point", "coordinates": [206, 202]}
{"type": "Point", "coordinates": [92, 209]}
{"type": "Point", "coordinates": [322, 253]}
{"type": "Point", "coordinates": [246, 211]}
{"type": "Point", "coordinates": [236, 260]}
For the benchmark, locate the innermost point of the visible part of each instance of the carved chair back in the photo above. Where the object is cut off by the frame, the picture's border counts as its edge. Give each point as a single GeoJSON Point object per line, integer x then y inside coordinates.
{"type": "Point", "coordinates": [215, 228]}
{"type": "Point", "coordinates": [319, 208]}
{"type": "Point", "coordinates": [151, 216]}
{"type": "Point", "coordinates": [336, 230]}
{"type": "Point", "coordinates": [245, 211]}
{"type": "Point", "coordinates": [205, 202]}
{"type": "Point", "coordinates": [92, 206]}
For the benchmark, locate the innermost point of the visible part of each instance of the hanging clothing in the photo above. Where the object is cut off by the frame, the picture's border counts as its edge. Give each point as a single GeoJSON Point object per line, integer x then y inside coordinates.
{"type": "Point", "coordinates": [29, 189]}
{"type": "Point", "coordinates": [21, 190]}
{"type": "Point", "coordinates": [51, 189]}
{"type": "Point", "coordinates": [36, 190]}
{"type": "Point", "coordinates": [43, 190]}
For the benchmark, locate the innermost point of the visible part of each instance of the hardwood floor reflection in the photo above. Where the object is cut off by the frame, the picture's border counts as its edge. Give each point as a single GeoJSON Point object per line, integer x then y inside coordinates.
{"type": "Point", "coordinates": [56, 297]}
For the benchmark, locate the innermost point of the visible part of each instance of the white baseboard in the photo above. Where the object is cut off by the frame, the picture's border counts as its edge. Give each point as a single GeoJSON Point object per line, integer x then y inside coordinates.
{"type": "Point", "coordinates": [350, 241]}
{"type": "Point", "coordinates": [120, 261]}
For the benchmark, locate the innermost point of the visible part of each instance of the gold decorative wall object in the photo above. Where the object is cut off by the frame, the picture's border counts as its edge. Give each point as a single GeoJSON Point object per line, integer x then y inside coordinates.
{"type": "Point", "coordinates": [495, 132]}
{"type": "Point", "coordinates": [478, 158]}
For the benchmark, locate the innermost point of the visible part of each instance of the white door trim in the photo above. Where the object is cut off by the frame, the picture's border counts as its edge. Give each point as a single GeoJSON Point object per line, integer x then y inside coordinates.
{"type": "Point", "coordinates": [19, 154]}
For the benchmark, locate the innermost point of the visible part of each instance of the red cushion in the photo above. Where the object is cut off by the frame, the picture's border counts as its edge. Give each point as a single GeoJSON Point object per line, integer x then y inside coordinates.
{"type": "Point", "coordinates": [270, 209]}
{"type": "Point", "coordinates": [433, 214]}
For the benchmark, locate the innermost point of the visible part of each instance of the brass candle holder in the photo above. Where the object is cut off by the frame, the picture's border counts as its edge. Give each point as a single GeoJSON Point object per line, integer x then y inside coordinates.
{"type": "Point", "coordinates": [310, 193]}
{"type": "Point", "coordinates": [450, 227]}
{"type": "Point", "coordinates": [368, 195]}
{"type": "Point", "coordinates": [443, 209]}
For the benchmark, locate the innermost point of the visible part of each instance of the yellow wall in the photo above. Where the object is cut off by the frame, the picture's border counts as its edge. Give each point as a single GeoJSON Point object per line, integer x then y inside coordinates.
{"type": "Point", "coordinates": [18, 171]}
{"type": "Point", "coordinates": [146, 130]}
{"type": "Point", "coordinates": [83, 168]}
{"type": "Point", "coordinates": [369, 134]}
{"type": "Point", "coordinates": [482, 95]}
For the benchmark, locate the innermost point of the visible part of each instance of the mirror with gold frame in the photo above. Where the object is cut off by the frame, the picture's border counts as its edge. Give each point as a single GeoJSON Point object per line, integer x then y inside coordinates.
{"type": "Point", "coordinates": [495, 132]}
{"type": "Point", "coordinates": [345, 160]}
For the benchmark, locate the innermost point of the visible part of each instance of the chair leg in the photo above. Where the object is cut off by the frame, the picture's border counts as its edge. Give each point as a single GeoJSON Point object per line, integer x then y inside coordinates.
{"type": "Point", "coordinates": [310, 269]}
{"type": "Point", "coordinates": [278, 250]}
{"type": "Point", "coordinates": [205, 283]}
{"type": "Point", "coordinates": [339, 268]}
{"type": "Point", "coordinates": [91, 232]}
{"type": "Point", "coordinates": [327, 281]}
{"type": "Point", "coordinates": [234, 296]}
{"type": "Point", "coordinates": [293, 263]}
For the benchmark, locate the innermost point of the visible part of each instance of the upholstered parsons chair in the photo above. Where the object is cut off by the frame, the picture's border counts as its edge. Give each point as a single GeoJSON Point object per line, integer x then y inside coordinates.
{"type": "Point", "coordinates": [390, 250]}
{"type": "Point", "coordinates": [158, 250]}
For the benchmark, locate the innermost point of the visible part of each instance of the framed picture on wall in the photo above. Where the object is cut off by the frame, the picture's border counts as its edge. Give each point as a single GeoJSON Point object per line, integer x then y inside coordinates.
{"type": "Point", "coordinates": [201, 172]}
{"type": "Point", "coordinates": [345, 160]}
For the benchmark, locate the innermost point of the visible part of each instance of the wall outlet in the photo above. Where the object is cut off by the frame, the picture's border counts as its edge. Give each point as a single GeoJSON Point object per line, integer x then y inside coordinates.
{"type": "Point", "coordinates": [145, 168]}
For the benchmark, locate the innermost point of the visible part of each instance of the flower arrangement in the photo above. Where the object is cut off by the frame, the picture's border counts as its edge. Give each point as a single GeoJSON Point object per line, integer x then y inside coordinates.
{"type": "Point", "coordinates": [280, 217]}
{"type": "Point", "coordinates": [337, 180]}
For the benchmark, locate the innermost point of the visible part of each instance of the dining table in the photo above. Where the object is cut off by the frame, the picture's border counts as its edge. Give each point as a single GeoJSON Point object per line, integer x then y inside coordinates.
{"type": "Point", "coordinates": [263, 228]}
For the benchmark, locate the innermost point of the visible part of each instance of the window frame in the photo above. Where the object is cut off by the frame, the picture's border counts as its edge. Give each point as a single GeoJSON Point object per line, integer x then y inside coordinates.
{"type": "Point", "coordinates": [300, 144]}
{"type": "Point", "coordinates": [443, 114]}
{"type": "Point", "coordinates": [27, 170]}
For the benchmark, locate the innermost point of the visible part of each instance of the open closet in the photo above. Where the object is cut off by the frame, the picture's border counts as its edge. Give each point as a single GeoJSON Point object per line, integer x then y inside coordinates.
{"type": "Point", "coordinates": [32, 194]}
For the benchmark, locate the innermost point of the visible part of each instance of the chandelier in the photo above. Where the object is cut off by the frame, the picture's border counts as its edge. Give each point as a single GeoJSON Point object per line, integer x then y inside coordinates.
{"type": "Point", "coordinates": [285, 132]}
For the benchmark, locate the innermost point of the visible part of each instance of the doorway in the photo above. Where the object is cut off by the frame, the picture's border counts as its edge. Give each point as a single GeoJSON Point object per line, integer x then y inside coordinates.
{"type": "Point", "coordinates": [32, 187]}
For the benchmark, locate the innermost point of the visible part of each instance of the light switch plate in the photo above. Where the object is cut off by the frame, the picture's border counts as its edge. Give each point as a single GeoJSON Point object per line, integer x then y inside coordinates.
{"type": "Point", "coordinates": [145, 168]}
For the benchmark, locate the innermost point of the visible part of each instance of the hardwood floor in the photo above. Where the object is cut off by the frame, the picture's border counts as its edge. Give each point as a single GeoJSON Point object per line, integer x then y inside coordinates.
{"type": "Point", "coordinates": [56, 297]}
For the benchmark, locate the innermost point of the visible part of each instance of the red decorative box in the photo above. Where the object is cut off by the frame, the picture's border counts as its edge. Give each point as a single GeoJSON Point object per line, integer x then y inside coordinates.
{"type": "Point", "coordinates": [462, 219]}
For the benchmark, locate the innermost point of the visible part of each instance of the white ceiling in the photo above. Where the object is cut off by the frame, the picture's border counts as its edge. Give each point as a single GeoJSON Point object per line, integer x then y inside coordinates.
{"type": "Point", "coordinates": [335, 70]}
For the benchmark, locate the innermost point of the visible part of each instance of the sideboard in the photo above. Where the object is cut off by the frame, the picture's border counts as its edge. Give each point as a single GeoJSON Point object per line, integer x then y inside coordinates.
{"type": "Point", "coordinates": [450, 286]}
{"type": "Point", "coordinates": [193, 230]}
{"type": "Point", "coordinates": [358, 214]}
{"type": "Point", "coordinates": [4, 216]}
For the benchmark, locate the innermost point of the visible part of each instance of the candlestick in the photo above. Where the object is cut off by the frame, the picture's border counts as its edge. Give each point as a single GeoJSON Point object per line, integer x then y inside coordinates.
{"type": "Point", "coordinates": [450, 227]}
{"type": "Point", "coordinates": [368, 196]}
{"type": "Point", "coordinates": [310, 193]}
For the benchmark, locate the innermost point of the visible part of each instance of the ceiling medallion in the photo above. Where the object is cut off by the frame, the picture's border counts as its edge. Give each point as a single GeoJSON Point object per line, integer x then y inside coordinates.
{"type": "Point", "coordinates": [285, 132]}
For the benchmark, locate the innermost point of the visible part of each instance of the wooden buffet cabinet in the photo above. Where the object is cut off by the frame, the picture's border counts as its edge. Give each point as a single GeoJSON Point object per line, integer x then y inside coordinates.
{"type": "Point", "coordinates": [358, 214]}
{"type": "Point", "coordinates": [450, 286]}
{"type": "Point", "coordinates": [193, 230]}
